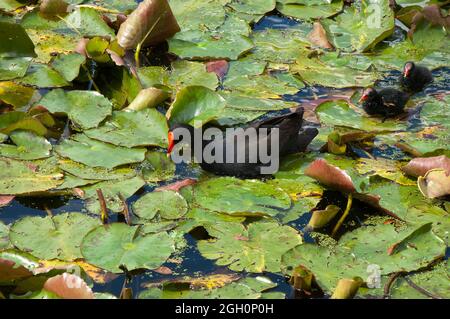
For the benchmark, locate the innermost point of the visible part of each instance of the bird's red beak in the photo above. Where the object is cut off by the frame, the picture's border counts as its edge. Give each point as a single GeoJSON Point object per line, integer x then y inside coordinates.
{"type": "Point", "coordinates": [406, 71]}
{"type": "Point", "coordinates": [171, 143]}
{"type": "Point", "coordinates": [363, 98]}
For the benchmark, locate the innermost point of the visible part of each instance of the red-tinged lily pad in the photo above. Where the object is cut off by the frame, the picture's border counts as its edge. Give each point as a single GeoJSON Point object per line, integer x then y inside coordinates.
{"type": "Point", "coordinates": [435, 183]}
{"type": "Point", "coordinates": [421, 165]}
{"type": "Point", "coordinates": [330, 175]}
{"type": "Point", "coordinates": [219, 67]}
{"type": "Point", "coordinates": [69, 286]}
{"type": "Point", "coordinates": [6, 200]}
{"type": "Point", "coordinates": [177, 185]}
{"type": "Point", "coordinates": [152, 22]}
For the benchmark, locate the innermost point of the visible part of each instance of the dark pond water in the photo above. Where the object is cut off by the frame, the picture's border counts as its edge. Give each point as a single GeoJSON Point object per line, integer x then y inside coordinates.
{"type": "Point", "coordinates": [193, 264]}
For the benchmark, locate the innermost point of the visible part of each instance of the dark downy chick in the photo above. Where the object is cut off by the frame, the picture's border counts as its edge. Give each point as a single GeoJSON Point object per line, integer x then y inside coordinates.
{"type": "Point", "coordinates": [415, 77]}
{"type": "Point", "coordinates": [386, 102]}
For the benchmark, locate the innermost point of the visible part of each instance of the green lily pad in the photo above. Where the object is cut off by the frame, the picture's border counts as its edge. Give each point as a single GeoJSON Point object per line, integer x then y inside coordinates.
{"type": "Point", "coordinates": [15, 42]}
{"type": "Point", "coordinates": [115, 245]}
{"type": "Point", "coordinates": [4, 236]}
{"type": "Point", "coordinates": [11, 5]}
{"type": "Point", "coordinates": [12, 121]}
{"type": "Point", "coordinates": [57, 237]}
{"type": "Point", "coordinates": [362, 26]}
{"type": "Point", "coordinates": [431, 281]}
{"type": "Point", "coordinates": [255, 248]}
{"type": "Point", "coordinates": [28, 146]}
{"type": "Point", "coordinates": [429, 47]}
{"type": "Point", "coordinates": [407, 250]}
{"type": "Point", "coordinates": [17, 177]}
{"type": "Point", "coordinates": [364, 247]}
{"type": "Point", "coordinates": [83, 21]}
{"type": "Point", "coordinates": [183, 73]}
{"type": "Point", "coordinates": [228, 41]}
{"type": "Point", "coordinates": [339, 113]}
{"type": "Point", "coordinates": [247, 288]}
{"type": "Point", "coordinates": [238, 197]}
{"type": "Point", "coordinates": [68, 65]}
{"type": "Point", "coordinates": [253, 7]}
{"type": "Point", "coordinates": [167, 204]}
{"type": "Point", "coordinates": [43, 76]}
{"type": "Point", "coordinates": [195, 104]}
{"type": "Point", "coordinates": [186, 73]}
{"type": "Point", "coordinates": [436, 112]}
{"type": "Point", "coordinates": [72, 181]}
{"type": "Point", "coordinates": [157, 167]}
{"type": "Point", "coordinates": [82, 149]}
{"type": "Point", "coordinates": [316, 72]}
{"type": "Point", "coordinates": [95, 173]}
{"type": "Point", "coordinates": [130, 129]}
{"type": "Point", "coordinates": [111, 191]}
{"type": "Point", "coordinates": [235, 100]}
{"type": "Point", "coordinates": [48, 43]}
{"type": "Point", "coordinates": [15, 94]}
{"type": "Point", "coordinates": [13, 68]}
{"type": "Point", "coordinates": [280, 45]}
{"type": "Point", "coordinates": [262, 86]}
{"type": "Point", "coordinates": [86, 109]}
{"type": "Point", "coordinates": [305, 10]}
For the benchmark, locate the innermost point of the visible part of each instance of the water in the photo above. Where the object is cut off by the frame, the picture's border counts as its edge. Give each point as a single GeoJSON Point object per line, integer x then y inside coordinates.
{"type": "Point", "coordinates": [193, 264]}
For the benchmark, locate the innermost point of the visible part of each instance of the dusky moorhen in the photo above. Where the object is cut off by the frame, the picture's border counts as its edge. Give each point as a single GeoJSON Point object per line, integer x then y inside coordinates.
{"type": "Point", "coordinates": [293, 138]}
{"type": "Point", "coordinates": [415, 77]}
{"type": "Point", "coordinates": [386, 102]}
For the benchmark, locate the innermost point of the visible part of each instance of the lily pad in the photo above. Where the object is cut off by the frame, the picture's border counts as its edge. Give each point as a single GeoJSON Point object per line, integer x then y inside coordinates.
{"type": "Point", "coordinates": [83, 21]}
{"type": "Point", "coordinates": [116, 245]}
{"type": "Point", "coordinates": [85, 108]}
{"type": "Point", "coordinates": [195, 104]}
{"type": "Point", "coordinates": [28, 146]}
{"type": "Point", "coordinates": [131, 129]}
{"type": "Point", "coordinates": [4, 236]}
{"type": "Point", "coordinates": [111, 191]}
{"type": "Point", "coordinates": [363, 247]}
{"type": "Point", "coordinates": [166, 204]}
{"type": "Point", "coordinates": [305, 10]}
{"type": "Point", "coordinates": [43, 76]}
{"type": "Point", "coordinates": [362, 26]}
{"type": "Point", "coordinates": [13, 68]}
{"type": "Point", "coordinates": [68, 65]}
{"type": "Point", "coordinates": [52, 237]}
{"type": "Point", "coordinates": [15, 42]}
{"type": "Point", "coordinates": [157, 167]}
{"type": "Point", "coordinates": [228, 41]}
{"type": "Point", "coordinates": [82, 149]}
{"type": "Point", "coordinates": [238, 197]}
{"type": "Point", "coordinates": [95, 173]}
{"type": "Point", "coordinates": [17, 177]}
{"type": "Point", "coordinates": [255, 248]}
{"type": "Point", "coordinates": [12, 121]}
{"type": "Point", "coordinates": [247, 288]}
{"type": "Point", "coordinates": [253, 7]}
{"type": "Point", "coordinates": [280, 45]}
{"type": "Point", "coordinates": [315, 71]}
{"type": "Point", "coordinates": [15, 94]}
{"type": "Point", "coordinates": [340, 113]}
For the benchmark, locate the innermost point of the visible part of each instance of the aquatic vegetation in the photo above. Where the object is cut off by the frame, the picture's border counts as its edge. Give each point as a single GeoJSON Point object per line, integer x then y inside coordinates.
{"type": "Point", "coordinates": [90, 91]}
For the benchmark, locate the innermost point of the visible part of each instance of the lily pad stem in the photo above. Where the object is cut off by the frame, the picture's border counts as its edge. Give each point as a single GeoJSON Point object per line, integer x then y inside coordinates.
{"type": "Point", "coordinates": [139, 46]}
{"type": "Point", "coordinates": [103, 208]}
{"type": "Point", "coordinates": [344, 215]}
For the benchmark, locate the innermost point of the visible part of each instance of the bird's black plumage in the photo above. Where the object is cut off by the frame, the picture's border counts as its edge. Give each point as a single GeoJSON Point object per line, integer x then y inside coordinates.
{"type": "Point", "coordinates": [415, 78]}
{"type": "Point", "coordinates": [386, 102]}
{"type": "Point", "coordinates": [293, 138]}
